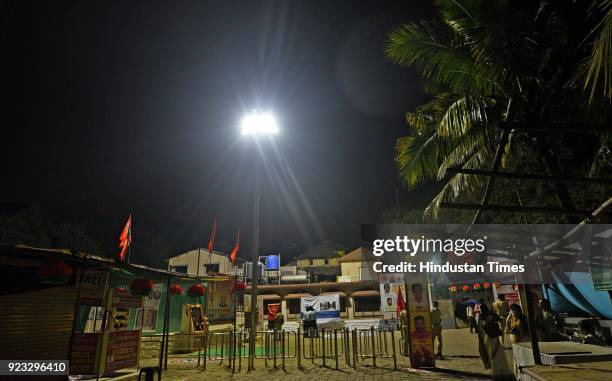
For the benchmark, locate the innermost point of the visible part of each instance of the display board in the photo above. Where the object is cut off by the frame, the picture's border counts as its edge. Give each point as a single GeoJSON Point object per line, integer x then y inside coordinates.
{"type": "Point", "coordinates": [326, 307]}
{"type": "Point", "coordinates": [122, 350]}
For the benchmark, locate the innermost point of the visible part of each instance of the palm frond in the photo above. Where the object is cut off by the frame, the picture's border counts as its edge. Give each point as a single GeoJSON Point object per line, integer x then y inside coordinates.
{"type": "Point", "coordinates": [443, 56]}
{"type": "Point", "coordinates": [599, 72]}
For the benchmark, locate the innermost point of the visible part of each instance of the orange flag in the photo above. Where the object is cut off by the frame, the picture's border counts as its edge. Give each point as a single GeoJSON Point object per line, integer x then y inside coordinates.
{"type": "Point", "coordinates": [400, 301]}
{"type": "Point", "coordinates": [125, 239]}
{"type": "Point", "coordinates": [211, 242]}
{"type": "Point", "coordinates": [236, 248]}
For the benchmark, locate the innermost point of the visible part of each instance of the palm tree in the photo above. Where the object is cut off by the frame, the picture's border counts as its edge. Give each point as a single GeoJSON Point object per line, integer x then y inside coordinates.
{"type": "Point", "coordinates": [488, 64]}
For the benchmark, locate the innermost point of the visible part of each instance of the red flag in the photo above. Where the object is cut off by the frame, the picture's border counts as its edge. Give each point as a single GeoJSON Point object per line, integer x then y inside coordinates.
{"type": "Point", "coordinates": [401, 305]}
{"type": "Point", "coordinates": [236, 248]}
{"type": "Point", "coordinates": [125, 239]}
{"type": "Point", "coordinates": [211, 243]}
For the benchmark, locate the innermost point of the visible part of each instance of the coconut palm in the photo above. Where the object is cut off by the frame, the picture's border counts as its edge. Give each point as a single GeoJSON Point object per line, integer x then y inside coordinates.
{"type": "Point", "coordinates": [488, 64]}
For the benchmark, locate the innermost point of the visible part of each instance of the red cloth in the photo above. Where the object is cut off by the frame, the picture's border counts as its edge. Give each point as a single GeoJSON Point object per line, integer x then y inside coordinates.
{"type": "Point", "coordinates": [401, 305]}
{"type": "Point", "coordinates": [236, 248]}
{"type": "Point", "coordinates": [211, 242]}
{"type": "Point", "coordinates": [125, 239]}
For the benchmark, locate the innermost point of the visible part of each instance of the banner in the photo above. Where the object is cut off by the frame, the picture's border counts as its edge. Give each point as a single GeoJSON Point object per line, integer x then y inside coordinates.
{"type": "Point", "coordinates": [419, 322]}
{"type": "Point", "coordinates": [327, 307]}
{"type": "Point", "coordinates": [390, 284]}
{"type": "Point", "coordinates": [220, 300]}
{"type": "Point", "coordinates": [122, 351]}
{"type": "Point", "coordinates": [83, 355]}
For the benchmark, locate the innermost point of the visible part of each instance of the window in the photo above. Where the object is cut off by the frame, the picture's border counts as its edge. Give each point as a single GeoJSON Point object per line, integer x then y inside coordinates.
{"type": "Point", "coordinates": [211, 268]}
{"type": "Point", "coordinates": [367, 303]}
{"type": "Point", "coordinates": [180, 269]}
{"type": "Point", "coordinates": [294, 306]}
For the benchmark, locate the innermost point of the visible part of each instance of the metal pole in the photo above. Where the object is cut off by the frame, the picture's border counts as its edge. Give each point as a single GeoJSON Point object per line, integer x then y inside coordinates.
{"type": "Point", "coordinates": [354, 348]}
{"type": "Point", "coordinates": [255, 264]}
{"type": "Point", "coordinates": [299, 349]}
{"type": "Point", "coordinates": [283, 347]}
{"type": "Point", "coordinates": [373, 347]}
{"type": "Point", "coordinates": [394, 354]}
{"type": "Point", "coordinates": [274, 346]}
{"type": "Point", "coordinates": [198, 268]}
{"type": "Point", "coordinates": [323, 346]}
{"type": "Point", "coordinates": [535, 346]}
{"type": "Point", "coordinates": [336, 346]}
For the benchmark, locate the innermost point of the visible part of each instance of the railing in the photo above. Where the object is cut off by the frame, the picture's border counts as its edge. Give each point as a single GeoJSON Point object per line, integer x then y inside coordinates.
{"type": "Point", "coordinates": [330, 348]}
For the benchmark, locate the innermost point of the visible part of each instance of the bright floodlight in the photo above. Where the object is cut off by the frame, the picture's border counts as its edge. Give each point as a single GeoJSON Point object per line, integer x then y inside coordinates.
{"type": "Point", "coordinates": [259, 124]}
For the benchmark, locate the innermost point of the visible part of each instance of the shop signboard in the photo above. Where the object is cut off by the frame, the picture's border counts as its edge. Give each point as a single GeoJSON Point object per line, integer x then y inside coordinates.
{"type": "Point", "coordinates": [122, 350]}
{"type": "Point", "coordinates": [92, 287]}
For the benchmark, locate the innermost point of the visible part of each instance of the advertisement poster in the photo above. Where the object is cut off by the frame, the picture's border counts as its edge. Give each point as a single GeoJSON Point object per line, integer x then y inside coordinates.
{"type": "Point", "coordinates": [220, 302]}
{"type": "Point", "coordinates": [83, 357]}
{"type": "Point", "coordinates": [122, 351]}
{"type": "Point", "coordinates": [419, 321]}
{"type": "Point", "coordinates": [390, 284]}
{"type": "Point", "coordinates": [327, 307]}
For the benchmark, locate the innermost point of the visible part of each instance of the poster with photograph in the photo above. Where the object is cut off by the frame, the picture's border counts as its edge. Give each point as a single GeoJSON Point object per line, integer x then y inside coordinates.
{"type": "Point", "coordinates": [327, 307]}
{"type": "Point", "coordinates": [419, 322]}
{"type": "Point", "coordinates": [220, 302]}
{"type": "Point", "coordinates": [390, 286]}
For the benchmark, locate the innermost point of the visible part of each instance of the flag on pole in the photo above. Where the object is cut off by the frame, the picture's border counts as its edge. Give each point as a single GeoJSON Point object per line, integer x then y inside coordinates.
{"type": "Point", "coordinates": [401, 305]}
{"type": "Point", "coordinates": [236, 248]}
{"type": "Point", "coordinates": [125, 239]}
{"type": "Point", "coordinates": [211, 242]}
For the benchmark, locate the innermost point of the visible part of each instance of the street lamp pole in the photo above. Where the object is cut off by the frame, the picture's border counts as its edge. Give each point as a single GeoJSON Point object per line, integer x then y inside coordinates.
{"type": "Point", "coordinates": [255, 264]}
{"type": "Point", "coordinates": [256, 125]}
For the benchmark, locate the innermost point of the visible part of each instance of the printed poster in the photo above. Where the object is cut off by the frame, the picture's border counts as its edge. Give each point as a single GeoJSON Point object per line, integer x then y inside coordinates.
{"type": "Point", "coordinates": [122, 351]}
{"type": "Point", "coordinates": [84, 353]}
{"type": "Point", "coordinates": [220, 300]}
{"type": "Point", "coordinates": [326, 307]}
{"type": "Point", "coordinates": [390, 285]}
{"type": "Point", "coordinates": [419, 322]}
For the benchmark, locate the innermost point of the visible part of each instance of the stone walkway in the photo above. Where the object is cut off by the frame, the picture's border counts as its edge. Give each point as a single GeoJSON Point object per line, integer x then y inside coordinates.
{"type": "Point", "coordinates": [461, 362]}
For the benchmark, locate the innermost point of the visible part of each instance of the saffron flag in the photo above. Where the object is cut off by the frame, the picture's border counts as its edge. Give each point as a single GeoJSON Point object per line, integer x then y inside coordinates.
{"type": "Point", "coordinates": [401, 305]}
{"type": "Point", "coordinates": [125, 239]}
{"type": "Point", "coordinates": [236, 248]}
{"type": "Point", "coordinates": [211, 242]}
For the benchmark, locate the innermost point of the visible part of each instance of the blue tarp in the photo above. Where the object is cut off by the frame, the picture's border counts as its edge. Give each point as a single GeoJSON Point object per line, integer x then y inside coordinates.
{"type": "Point", "coordinates": [578, 289]}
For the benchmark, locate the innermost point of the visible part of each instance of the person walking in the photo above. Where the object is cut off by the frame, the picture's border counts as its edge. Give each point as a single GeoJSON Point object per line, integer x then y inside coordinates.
{"type": "Point", "coordinates": [502, 309]}
{"type": "Point", "coordinates": [490, 348]}
{"type": "Point", "coordinates": [469, 312]}
{"type": "Point", "coordinates": [516, 325]}
{"type": "Point", "coordinates": [436, 327]}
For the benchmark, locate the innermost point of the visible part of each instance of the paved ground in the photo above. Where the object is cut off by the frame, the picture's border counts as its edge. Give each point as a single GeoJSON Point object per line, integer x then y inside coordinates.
{"type": "Point", "coordinates": [461, 362]}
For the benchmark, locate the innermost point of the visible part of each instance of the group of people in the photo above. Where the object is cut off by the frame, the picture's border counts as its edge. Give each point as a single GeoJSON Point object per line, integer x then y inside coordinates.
{"type": "Point", "coordinates": [493, 324]}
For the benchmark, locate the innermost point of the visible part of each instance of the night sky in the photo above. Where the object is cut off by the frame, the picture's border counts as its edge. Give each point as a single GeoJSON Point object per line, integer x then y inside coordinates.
{"type": "Point", "coordinates": [120, 107]}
